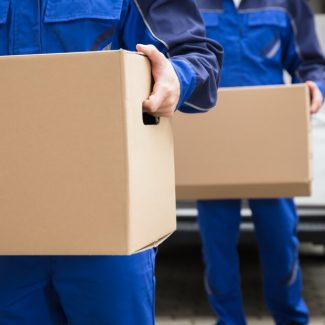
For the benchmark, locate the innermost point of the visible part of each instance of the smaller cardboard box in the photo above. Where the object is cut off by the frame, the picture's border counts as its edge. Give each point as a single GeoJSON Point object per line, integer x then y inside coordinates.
{"type": "Point", "coordinates": [80, 173]}
{"type": "Point", "coordinates": [254, 144]}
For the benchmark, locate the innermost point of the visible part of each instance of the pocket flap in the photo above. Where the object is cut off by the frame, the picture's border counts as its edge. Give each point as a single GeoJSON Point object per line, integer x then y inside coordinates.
{"type": "Point", "coordinates": [66, 10]}
{"type": "Point", "coordinates": [275, 18]}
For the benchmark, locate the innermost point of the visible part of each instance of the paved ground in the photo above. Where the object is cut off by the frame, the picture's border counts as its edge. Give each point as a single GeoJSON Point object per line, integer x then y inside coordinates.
{"type": "Point", "coordinates": [181, 298]}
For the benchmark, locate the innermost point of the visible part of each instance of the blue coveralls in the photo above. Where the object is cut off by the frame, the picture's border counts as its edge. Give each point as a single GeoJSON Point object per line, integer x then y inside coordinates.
{"type": "Point", "coordinates": [108, 290]}
{"type": "Point", "coordinates": [260, 40]}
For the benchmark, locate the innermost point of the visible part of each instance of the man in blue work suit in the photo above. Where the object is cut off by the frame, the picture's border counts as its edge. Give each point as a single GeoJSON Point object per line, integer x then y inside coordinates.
{"type": "Point", "coordinates": [261, 38]}
{"type": "Point", "coordinates": [108, 290]}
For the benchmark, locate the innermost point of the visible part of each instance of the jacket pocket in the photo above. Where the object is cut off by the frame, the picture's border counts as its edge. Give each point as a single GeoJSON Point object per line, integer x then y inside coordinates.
{"type": "Point", "coordinates": [265, 33]}
{"type": "Point", "coordinates": [268, 18]}
{"type": "Point", "coordinates": [80, 25]}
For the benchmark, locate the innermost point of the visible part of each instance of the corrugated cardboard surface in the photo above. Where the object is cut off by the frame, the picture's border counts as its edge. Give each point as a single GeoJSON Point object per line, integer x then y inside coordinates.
{"type": "Point", "coordinates": [151, 166]}
{"type": "Point", "coordinates": [254, 144]}
{"type": "Point", "coordinates": [69, 127]}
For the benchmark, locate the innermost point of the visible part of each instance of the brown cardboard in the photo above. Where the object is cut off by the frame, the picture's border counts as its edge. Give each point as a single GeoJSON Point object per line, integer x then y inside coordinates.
{"type": "Point", "coordinates": [79, 171]}
{"type": "Point", "coordinates": [254, 144]}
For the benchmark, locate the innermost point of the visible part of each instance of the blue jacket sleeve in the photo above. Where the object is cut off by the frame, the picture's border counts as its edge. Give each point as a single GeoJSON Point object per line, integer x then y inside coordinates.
{"type": "Point", "coordinates": [303, 56]}
{"type": "Point", "coordinates": [176, 29]}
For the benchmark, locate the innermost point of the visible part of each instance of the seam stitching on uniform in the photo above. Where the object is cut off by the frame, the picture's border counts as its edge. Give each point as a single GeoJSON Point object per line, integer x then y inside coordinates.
{"type": "Point", "coordinates": [198, 108]}
{"type": "Point", "coordinates": [166, 45]}
{"type": "Point", "coordinates": [148, 26]}
{"type": "Point", "coordinates": [211, 10]}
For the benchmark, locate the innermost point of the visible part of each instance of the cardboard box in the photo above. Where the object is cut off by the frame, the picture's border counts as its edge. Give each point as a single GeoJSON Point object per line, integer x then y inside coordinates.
{"type": "Point", "coordinates": [79, 171]}
{"type": "Point", "coordinates": [254, 144]}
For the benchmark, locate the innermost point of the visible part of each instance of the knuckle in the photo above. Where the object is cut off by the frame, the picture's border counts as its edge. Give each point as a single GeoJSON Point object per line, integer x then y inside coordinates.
{"type": "Point", "coordinates": [148, 108]}
{"type": "Point", "coordinates": [168, 89]}
{"type": "Point", "coordinates": [151, 108]}
{"type": "Point", "coordinates": [161, 55]}
{"type": "Point", "coordinates": [165, 89]}
{"type": "Point", "coordinates": [169, 101]}
{"type": "Point", "coordinates": [170, 112]}
{"type": "Point", "coordinates": [152, 48]}
{"type": "Point", "coordinates": [170, 92]}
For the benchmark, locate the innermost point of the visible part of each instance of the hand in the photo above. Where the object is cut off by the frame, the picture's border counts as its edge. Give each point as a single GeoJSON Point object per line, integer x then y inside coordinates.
{"type": "Point", "coordinates": [316, 97]}
{"type": "Point", "coordinates": [166, 90]}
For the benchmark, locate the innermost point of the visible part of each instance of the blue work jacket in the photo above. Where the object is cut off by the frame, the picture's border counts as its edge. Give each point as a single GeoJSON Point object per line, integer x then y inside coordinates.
{"type": "Point", "coordinates": [264, 37]}
{"type": "Point", "coordinates": [174, 27]}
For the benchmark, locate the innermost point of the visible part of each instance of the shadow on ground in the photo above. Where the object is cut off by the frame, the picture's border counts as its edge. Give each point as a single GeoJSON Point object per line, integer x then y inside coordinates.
{"type": "Point", "coordinates": [180, 290]}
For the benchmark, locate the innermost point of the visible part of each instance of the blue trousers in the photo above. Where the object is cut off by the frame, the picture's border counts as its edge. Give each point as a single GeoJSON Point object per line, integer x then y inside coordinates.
{"type": "Point", "coordinates": [275, 223]}
{"type": "Point", "coordinates": [77, 290]}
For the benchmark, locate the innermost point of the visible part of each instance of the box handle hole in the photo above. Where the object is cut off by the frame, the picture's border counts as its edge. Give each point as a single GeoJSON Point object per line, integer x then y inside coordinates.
{"type": "Point", "coordinates": [150, 119]}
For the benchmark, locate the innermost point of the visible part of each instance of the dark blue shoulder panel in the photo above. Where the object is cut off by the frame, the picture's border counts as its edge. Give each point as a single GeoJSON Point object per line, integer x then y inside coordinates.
{"type": "Point", "coordinates": [178, 24]}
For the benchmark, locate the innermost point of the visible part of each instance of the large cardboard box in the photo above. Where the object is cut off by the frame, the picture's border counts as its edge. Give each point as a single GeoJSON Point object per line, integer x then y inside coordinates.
{"type": "Point", "coordinates": [254, 144]}
{"type": "Point", "coordinates": [80, 173]}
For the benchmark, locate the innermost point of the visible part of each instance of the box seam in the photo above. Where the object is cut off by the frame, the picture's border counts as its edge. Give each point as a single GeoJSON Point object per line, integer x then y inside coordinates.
{"type": "Point", "coordinates": [123, 76]}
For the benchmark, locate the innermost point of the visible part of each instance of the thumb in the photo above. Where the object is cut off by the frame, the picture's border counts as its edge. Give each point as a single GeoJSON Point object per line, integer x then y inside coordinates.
{"type": "Point", "coordinates": [156, 57]}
